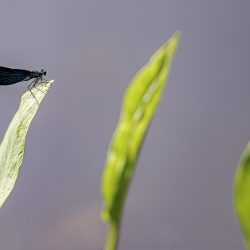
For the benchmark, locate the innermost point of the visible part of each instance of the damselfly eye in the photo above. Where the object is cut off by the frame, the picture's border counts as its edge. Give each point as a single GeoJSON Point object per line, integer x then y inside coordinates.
{"type": "Point", "coordinates": [44, 73]}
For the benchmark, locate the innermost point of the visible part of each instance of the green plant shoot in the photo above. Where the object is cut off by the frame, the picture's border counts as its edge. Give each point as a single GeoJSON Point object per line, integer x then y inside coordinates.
{"type": "Point", "coordinates": [242, 194]}
{"type": "Point", "coordinates": [140, 102]}
{"type": "Point", "coordinates": [13, 145]}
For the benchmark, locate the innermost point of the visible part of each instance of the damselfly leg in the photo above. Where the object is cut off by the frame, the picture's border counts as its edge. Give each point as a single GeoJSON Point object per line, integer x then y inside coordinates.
{"type": "Point", "coordinates": [33, 85]}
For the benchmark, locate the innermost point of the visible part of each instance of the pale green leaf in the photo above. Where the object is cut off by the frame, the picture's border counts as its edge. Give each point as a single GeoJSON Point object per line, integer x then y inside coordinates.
{"type": "Point", "coordinates": [242, 194]}
{"type": "Point", "coordinates": [139, 105]}
{"type": "Point", "coordinates": [13, 145]}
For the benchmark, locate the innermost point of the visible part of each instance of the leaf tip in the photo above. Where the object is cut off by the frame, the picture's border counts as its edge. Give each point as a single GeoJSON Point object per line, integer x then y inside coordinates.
{"type": "Point", "coordinates": [175, 38]}
{"type": "Point", "coordinates": [177, 34]}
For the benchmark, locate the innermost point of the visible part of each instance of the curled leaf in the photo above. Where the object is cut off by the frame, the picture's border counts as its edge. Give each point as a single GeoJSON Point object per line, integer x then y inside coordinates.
{"type": "Point", "coordinates": [140, 102]}
{"type": "Point", "coordinates": [13, 145]}
{"type": "Point", "coordinates": [242, 194]}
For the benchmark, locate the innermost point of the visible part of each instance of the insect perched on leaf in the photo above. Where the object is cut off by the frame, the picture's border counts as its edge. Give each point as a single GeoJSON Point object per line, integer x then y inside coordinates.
{"type": "Point", "coordinates": [10, 76]}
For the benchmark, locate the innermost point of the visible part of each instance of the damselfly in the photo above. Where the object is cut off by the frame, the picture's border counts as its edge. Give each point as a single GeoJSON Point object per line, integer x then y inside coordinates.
{"type": "Point", "coordinates": [10, 76]}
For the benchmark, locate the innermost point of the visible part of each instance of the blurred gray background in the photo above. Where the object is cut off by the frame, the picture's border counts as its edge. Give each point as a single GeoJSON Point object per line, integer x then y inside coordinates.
{"type": "Point", "coordinates": [180, 198]}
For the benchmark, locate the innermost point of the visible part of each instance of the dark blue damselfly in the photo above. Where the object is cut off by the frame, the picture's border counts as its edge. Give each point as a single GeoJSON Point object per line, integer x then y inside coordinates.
{"type": "Point", "coordinates": [10, 76]}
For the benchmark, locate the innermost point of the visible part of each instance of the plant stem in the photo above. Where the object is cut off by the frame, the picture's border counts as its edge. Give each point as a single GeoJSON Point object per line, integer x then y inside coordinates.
{"type": "Point", "coordinates": [112, 236]}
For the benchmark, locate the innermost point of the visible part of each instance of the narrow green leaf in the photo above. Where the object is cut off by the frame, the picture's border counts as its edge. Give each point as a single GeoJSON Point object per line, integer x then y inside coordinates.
{"type": "Point", "coordinates": [13, 145]}
{"type": "Point", "coordinates": [140, 102]}
{"type": "Point", "coordinates": [242, 194]}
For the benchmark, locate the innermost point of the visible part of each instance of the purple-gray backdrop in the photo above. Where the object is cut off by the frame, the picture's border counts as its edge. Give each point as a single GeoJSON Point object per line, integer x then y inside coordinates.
{"type": "Point", "coordinates": [181, 195]}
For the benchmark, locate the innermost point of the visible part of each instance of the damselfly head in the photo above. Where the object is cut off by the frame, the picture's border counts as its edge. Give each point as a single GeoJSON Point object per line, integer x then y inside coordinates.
{"type": "Point", "coordinates": [43, 72]}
